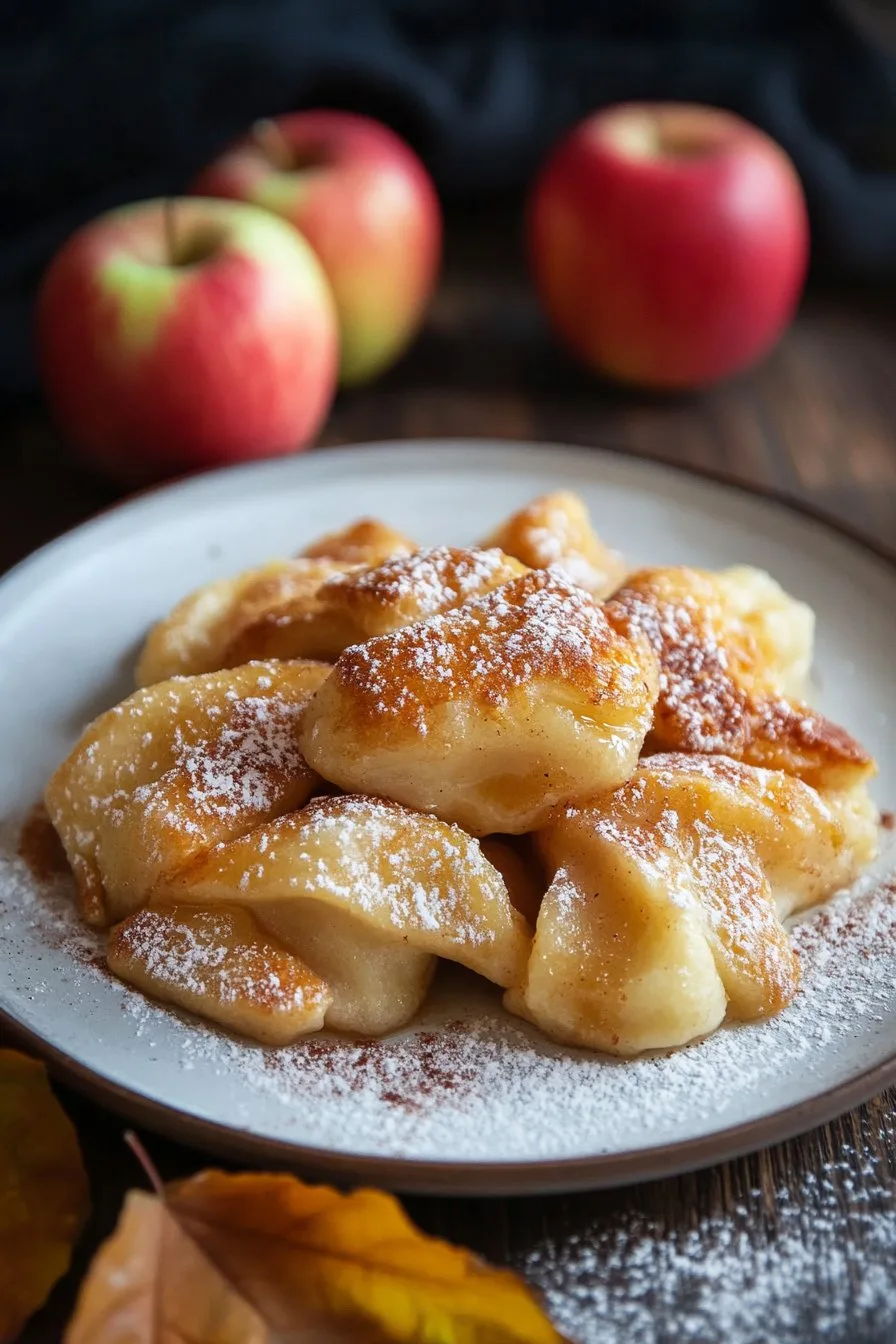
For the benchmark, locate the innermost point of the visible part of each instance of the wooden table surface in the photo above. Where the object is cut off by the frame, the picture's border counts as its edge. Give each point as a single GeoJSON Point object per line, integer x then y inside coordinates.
{"type": "Point", "coordinates": [797, 1243]}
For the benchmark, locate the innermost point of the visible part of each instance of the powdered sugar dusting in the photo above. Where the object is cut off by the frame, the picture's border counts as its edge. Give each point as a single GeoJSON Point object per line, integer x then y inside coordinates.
{"type": "Point", "coordinates": [506, 1093]}
{"type": "Point", "coordinates": [536, 628]}
{"type": "Point", "coordinates": [430, 581]}
{"type": "Point", "coordinates": [414, 872]}
{"type": "Point", "coordinates": [701, 701]}
{"type": "Point", "coordinates": [714, 690]}
{"type": "Point", "coordinates": [823, 1269]}
{"type": "Point", "coordinates": [203, 958]}
{"type": "Point", "coordinates": [241, 769]}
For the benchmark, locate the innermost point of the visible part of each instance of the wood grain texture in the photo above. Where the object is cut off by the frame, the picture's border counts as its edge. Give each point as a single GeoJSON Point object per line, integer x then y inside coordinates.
{"type": "Point", "coordinates": [794, 1244]}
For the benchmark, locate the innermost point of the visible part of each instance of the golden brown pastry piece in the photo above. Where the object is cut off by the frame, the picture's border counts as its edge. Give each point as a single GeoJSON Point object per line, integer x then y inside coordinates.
{"type": "Point", "coordinates": [491, 714]}
{"type": "Point", "coordinates": [266, 612]}
{"type": "Point", "coordinates": [219, 964]}
{"type": "Point", "coordinates": [365, 542]}
{"type": "Point", "coordinates": [175, 768]}
{"type": "Point", "coordinates": [728, 645]}
{"type": "Point", "coordinates": [412, 588]}
{"type": "Point", "coordinates": [413, 881]}
{"type": "Point", "coordinates": [326, 615]}
{"type": "Point", "coordinates": [314, 608]}
{"type": "Point", "coordinates": [367, 894]}
{"type": "Point", "coordinates": [664, 914]}
{"type": "Point", "coordinates": [556, 530]}
{"type": "Point", "coordinates": [269, 612]}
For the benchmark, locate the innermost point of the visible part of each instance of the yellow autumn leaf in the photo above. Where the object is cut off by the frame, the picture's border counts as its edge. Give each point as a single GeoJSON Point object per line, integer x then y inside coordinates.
{"type": "Point", "coordinates": [43, 1190]}
{"type": "Point", "coordinates": [305, 1261]}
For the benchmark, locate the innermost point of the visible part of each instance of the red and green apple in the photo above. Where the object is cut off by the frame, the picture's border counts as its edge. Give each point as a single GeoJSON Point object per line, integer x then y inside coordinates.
{"type": "Point", "coordinates": [185, 334]}
{"type": "Point", "coordinates": [367, 206]}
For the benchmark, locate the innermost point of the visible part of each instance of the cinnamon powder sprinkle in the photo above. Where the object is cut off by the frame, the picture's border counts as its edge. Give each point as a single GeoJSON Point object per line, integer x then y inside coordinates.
{"type": "Point", "coordinates": [439, 1063]}
{"type": "Point", "coordinates": [40, 846]}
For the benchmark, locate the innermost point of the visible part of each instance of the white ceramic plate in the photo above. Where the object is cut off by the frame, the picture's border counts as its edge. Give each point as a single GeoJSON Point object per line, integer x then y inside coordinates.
{"type": "Point", "coordinates": [468, 1100]}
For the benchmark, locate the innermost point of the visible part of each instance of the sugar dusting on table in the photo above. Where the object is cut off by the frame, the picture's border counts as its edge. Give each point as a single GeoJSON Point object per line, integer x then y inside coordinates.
{"type": "Point", "coordinates": [823, 1268]}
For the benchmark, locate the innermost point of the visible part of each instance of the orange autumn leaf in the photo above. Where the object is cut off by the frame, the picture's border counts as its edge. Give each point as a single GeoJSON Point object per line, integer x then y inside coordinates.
{"type": "Point", "coordinates": [151, 1281]}
{"type": "Point", "coordinates": [43, 1190]}
{"type": "Point", "coordinates": [304, 1262]}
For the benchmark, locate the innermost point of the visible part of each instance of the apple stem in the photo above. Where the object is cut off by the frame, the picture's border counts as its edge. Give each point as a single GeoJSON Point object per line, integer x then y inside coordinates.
{"type": "Point", "coordinates": [146, 1162]}
{"type": "Point", "coordinates": [270, 139]}
{"type": "Point", "coordinates": [170, 231]}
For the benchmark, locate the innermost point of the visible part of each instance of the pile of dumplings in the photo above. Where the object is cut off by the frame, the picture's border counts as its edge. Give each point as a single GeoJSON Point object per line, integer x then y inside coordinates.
{"type": "Point", "coordinates": [600, 790]}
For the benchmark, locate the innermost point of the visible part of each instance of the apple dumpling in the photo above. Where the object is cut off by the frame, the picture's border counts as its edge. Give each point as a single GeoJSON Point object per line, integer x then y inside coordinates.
{"type": "Point", "coordinates": [409, 878]}
{"type": "Point", "coordinates": [270, 611]}
{"type": "Point", "coordinates": [367, 895]}
{"type": "Point", "coordinates": [664, 913]}
{"type": "Point", "coordinates": [727, 646]}
{"type": "Point", "coordinates": [238, 620]}
{"type": "Point", "coordinates": [219, 964]}
{"type": "Point", "coordinates": [314, 607]}
{"type": "Point", "coordinates": [555, 531]}
{"type": "Point", "coordinates": [174, 769]}
{"type": "Point", "coordinates": [491, 714]}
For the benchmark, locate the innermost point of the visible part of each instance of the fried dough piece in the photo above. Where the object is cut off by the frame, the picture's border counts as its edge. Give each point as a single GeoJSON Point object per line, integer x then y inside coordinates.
{"type": "Point", "coordinates": [238, 619]}
{"type": "Point", "coordinates": [727, 646]}
{"type": "Point", "coordinates": [351, 608]}
{"type": "Point", "coordinates": [314, 608]}
{"type": "Point", "coordinates": [491, 714]}
{"type": "Point", "coordinates": [556, 530]}
{"type": "Point", "coordinates": [665, 910]}
{"type": "Point", "coordinates": [365, 542]}
{"type": "Point", "coordinates": [217, 963]}
{"type": "Point", "coordinates": [175, 768]}
{"type": "Point", "coordinates": [241, 619]}
{"type": "Point", "coordinates": [409, 878]}
{"type": "Point", "coordinates": [414, 587]}
{"type": "Point", "coordinates": [294, 616]}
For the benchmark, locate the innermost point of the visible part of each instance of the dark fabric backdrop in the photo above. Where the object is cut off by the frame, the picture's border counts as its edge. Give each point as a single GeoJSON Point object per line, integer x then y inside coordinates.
{"type": "Point", "coordinates": [112, 100]}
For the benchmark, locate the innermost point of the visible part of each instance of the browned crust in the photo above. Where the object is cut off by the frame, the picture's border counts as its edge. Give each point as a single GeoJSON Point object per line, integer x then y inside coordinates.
{"type": "Point", "coordinates": [713, 695]}
{"type": "Point", "coordinates": [537, 629]}
{"type": "Point", "coordinates": [367, 541]}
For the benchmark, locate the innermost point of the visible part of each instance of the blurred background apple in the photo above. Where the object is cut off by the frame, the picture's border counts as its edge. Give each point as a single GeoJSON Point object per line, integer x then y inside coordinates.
{"type": "Point", "coordinates": [367, 206]}
{"type": "Point", "coordinates": [185, 334]}
{"type": "Point", "coordinates": [668, 242]}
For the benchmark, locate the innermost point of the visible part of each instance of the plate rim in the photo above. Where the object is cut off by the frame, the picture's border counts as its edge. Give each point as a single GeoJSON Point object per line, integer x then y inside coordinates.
{"type": "Point", "coordinates": [465, 1177]}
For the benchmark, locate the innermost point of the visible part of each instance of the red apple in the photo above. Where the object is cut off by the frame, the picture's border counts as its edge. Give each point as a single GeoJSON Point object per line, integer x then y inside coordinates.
{"type": "Point", "coordinates": [367, 206]}
{"type": "Point", "coordinates": [668, 243]}
{"type": "Point", "coordinates": [183, 334]}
